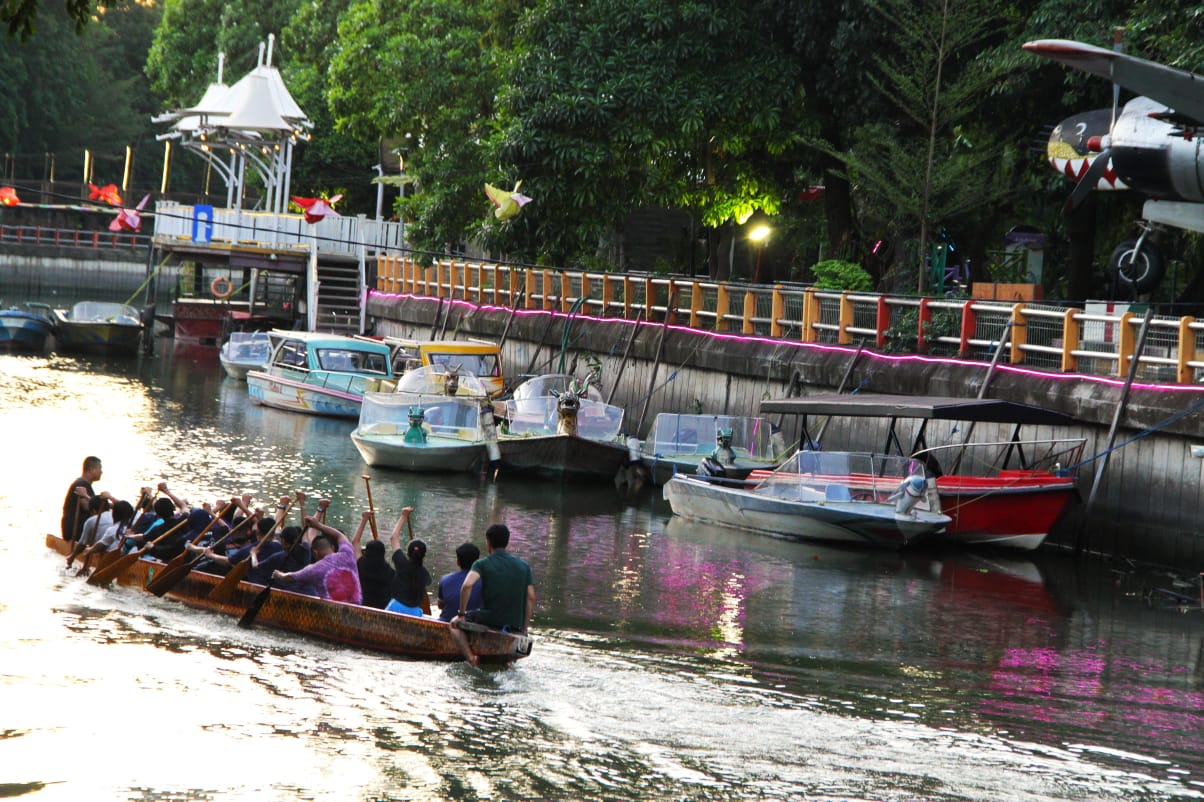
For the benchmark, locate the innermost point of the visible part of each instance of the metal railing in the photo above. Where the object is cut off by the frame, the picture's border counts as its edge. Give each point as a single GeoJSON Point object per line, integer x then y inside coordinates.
{"type": "Point", "coordinates": [72, 238]}
{"type": "Point", "coordinates": [1099, 342]}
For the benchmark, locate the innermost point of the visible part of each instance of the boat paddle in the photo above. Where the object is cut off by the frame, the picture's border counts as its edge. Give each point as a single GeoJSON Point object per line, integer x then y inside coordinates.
{"type": "Point", "coordinates": [371, 509]}
{"type": "Point", "coordinates": [171, 576]}
{"type": "Point", "coordinates": [104, 576]}
{"type": "Point", "coordinates": [248, 617]}
{"type": "Point", "coordinates": [175, 562]}
{"type": "Point", "coordinates": [225, 589]}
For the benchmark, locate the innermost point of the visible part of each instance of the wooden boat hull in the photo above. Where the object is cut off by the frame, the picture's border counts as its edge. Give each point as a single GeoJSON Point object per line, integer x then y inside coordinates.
{"type": "Point", "coordinates": [280, 392]}
{"type": "Point", "coordinates": [337, 622]}
{"type": "Point", "coordinates": [562, 456]}
{"type": "Point", "coordinates": [1015, 509]}
{"type": "Point", "coordinates": [23, 331]}
{"type": "Point", "coordinates": [855, 522]}
{"type": "Point", "coordinates": [437, 454]}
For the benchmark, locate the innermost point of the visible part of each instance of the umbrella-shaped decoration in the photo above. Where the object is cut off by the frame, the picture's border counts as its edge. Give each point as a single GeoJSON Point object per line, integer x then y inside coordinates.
{"type": "Point", "coordinates": [108, 193]}
{"type": "Point", "coordinates": [8, 196]}
{"type": "Point", "coordinates": [317, 208]}
{"type": "Point", "coordinates": [129, 219]}
{"type": "Point", "coordinates": [508, 203]}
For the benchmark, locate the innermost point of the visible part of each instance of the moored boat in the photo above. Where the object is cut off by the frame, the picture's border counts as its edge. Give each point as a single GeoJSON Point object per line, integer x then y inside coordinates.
{"type": "Point", "coordinates": [98, 327]}
{"type": "Point", "coordinates": [25, 330]}
{"type": "Point", "coordinates": [319, 374]}
{"type": "Point", "coordinates": [421, 432]}
{"type": "Point", "coordinates": [738, 445]}
{"type": "Point", "coordinates": [553, 427]}
{"type": "Point", "coordinates": [838, 497]}
{"type": "Point", "coordinates": [245, 351]}
{"type": "Point", "coordinates": [423, 638]}
{"type": "Point", "coordinates": [1003, 492]}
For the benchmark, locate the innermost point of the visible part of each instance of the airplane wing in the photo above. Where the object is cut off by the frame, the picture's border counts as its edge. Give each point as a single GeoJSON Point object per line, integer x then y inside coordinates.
{"type": "Point", "coordinates": [1180, 90]}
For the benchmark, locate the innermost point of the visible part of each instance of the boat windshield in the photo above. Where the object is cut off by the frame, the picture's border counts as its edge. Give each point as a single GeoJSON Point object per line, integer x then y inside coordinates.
{"type": "Point", "coordinates": [351, 360]}
{"type": "Point", "coordinates": [249, 346]}
{"type": "Point", "coordinates": [433, 380]}
{"type": "Point", "coordinates": [104, 311]}
{"type": "Point", "coordinates": [390, 413]}
{"type": "Point", "coordinates": [674, 435]}
{"type": "Point", "coordinates": [551, 384]}
{"type": "Point", "coordinates": [483, 364]}
{"type": "Point", "coordinates": [840, 475]}
{"type": "Point", "coordinates": [538, 416]}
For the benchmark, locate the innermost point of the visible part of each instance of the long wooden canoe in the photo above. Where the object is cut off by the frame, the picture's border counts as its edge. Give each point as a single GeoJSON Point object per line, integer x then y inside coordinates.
{"type": "Point", "coordinates": [338, 622]}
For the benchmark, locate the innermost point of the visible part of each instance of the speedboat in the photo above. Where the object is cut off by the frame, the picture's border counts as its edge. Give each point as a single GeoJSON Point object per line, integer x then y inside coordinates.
{"type": "Point", "coordinates": [1001, 492]}
{"type": "Point", "coordinates": [245, 351]}
{"type": "Point", "coordinates": [553, 425]}
{"type": "Point", "coordinates": [22, 330]}
{"type": "Point", "coordinates": [840, 497]}
{"type": "Point", "coordinates": [414, 432]}
{"type": "Point", "coordinates": [98, 326]}
{"type": "Point", "coordinates": [735, 445]}
{"type": "Point", "coordinates": [319, 374]}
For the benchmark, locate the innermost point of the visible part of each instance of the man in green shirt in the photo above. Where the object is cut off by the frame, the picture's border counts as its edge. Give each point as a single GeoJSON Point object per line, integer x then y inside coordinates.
{"type": "Point", "coordinates": [507, 591]}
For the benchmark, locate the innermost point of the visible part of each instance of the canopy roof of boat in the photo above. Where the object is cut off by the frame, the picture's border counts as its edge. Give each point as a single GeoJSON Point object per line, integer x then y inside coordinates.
{"type": "Point", "coordinates": [983, 410]}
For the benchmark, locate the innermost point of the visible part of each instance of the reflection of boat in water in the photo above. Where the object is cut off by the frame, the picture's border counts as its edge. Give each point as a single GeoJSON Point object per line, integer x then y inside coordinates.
{"type": "Point", "coordinates": [867, 499]}
{"type": "Point", "coordinates": [1003, 493]}
{"type": "Point", "coordinates": [553, 427]}
{"type": "Point", "coordinates": [738, 445]}
{"type": "Point", "coordinates": [99, 327]}
{"type": "Point", "coordinates": [319, 374]}
{"type": "Point", "coordinates": [245, 351]}
{"type": "Point", "coordinates": [23, 330]}
{"type": "Point", "coordinates": [422, 638]}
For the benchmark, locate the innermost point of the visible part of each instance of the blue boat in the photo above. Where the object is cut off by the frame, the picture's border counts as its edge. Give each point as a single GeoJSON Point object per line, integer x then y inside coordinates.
{"type": "Point", "coordinates": [319, 374]}
{"type": "Point", "coordinates": [23, 330]}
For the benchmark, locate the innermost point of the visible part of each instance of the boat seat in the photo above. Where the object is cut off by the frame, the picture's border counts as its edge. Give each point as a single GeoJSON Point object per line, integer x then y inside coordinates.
{"type": "Point", "coordinates": [837, 493]}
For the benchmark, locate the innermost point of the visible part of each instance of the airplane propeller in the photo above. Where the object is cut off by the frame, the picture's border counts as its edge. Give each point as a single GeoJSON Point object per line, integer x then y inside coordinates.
{"type": "Point", "coordinates": [1099, 166]}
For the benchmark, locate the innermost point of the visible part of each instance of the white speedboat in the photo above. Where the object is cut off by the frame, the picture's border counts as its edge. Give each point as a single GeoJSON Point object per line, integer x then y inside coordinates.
{"type": "Point", "coordinates": [421, 432]}
{"type": "Point", "coordinates": [842, 497]}
{"type": "Point", "coordinates": [245, 351]}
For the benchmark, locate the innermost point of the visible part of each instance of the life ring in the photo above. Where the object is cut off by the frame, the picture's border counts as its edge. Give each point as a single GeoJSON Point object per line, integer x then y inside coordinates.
{"type": "Point", "coordinates": [221, 288]}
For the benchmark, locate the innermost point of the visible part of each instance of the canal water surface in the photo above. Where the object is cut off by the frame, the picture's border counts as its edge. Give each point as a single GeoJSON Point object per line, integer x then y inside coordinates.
{"type": "Point", "coordinates": [673, 661]}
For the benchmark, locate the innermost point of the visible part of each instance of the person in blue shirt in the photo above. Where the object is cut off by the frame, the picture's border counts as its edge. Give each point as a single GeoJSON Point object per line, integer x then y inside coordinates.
{"type": "Point", "coordinates": [449, 585]}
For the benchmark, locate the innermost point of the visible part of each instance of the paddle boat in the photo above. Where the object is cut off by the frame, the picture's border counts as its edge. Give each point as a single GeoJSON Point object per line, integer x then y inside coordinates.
{"type": "Point", "coordinates": [425, 431]}
{"type": "Point", "coordinates": [245, 351]}
{"type": "Point", "coordinates": [99, 327]}
{"type": "Point", "coordinates": [839, 497]}
{"type": "Point", "coordinates": [413, 637]}
{"type": "Point", "coordinates": [554, 425]}
{"type": "Point", "coordinates": [25, 330]}
{"type": "Point", "coordinates": [681, 443]}
{"type": "Point", "coordinates": [997, 492]}
{"type": "Point", "coordinates": [319, 374]}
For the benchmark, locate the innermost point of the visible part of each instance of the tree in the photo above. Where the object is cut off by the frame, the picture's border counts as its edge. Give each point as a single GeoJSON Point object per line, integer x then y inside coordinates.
{"type": "Point", "coordinates": [613, 105]}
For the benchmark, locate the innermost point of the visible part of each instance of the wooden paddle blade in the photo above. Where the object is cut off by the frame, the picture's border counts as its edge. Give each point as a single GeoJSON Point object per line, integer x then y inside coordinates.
{"type": "Point", "coordinates": [225, 589]}
{"type": "Point", "coordinates": [168, 578]}
{"type": "Point", "coordinates": [103, 576]}
{"type": "Point", "coordinates": [248, 618]}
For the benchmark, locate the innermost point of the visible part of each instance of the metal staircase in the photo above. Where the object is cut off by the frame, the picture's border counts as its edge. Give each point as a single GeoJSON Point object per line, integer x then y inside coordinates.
{"type": "Point", "coordinates": [338, 297]}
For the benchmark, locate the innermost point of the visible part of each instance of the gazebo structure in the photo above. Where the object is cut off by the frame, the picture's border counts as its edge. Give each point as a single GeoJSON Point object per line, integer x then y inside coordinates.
{"type": "Point", "coordinates": [255, 121]}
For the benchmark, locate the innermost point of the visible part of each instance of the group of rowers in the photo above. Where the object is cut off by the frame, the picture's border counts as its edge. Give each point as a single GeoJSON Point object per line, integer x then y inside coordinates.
{"type": "Point", "coordinates": [315, 558]}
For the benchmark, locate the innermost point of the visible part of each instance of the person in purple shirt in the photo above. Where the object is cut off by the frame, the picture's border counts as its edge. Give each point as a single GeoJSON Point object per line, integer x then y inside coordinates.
{"type": "Point", "coordinates": [333, 575]}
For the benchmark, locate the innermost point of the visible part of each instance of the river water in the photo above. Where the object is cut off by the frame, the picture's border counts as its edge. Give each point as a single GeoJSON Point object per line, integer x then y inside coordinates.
{"type": "Point", "coordinates": [672, 661]}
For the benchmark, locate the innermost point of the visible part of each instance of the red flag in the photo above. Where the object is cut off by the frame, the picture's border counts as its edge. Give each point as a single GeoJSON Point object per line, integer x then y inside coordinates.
{"type": "Point", "coordinates": [129, 219]}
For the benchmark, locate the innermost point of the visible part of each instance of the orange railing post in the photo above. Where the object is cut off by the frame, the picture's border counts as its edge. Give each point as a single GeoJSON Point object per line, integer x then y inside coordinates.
{"type": "Point", "coordinates": [1070, 341]}
{"type": "Point", "coordinates": [843, 335]}
{"type": "Point", "coordinates": [923, 323]}
{"type": "Point", "coordinates": [777, 310]}
{"type": "Point", "coordinates": [969, 326]}
{"type": "Point", "coordinates": [810, 315]}
{"type": "Point", "coordinates": [1185, 373]}
{"type": "Point", "coordinates": [1019, 334]}
{"type": "Point", "coordinates": [1127, 344]}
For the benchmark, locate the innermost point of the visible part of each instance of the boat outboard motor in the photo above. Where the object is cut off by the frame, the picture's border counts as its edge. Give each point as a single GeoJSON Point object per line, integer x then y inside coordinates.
{"type": "Point", "coordinates": [908, 494]}
{"type": "Point", "coordinates": [711, 468]}
{"type": "Point", "coordinates": [489, 427]}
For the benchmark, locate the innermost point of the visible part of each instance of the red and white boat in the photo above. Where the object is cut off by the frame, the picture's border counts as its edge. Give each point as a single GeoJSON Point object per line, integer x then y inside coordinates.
{"type": "Point", "coordinates": [1002, 492]}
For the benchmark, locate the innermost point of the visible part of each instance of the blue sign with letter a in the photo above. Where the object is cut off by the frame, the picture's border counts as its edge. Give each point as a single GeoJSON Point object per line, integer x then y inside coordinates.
{"type": "Point", "coordinates": [202, 223]}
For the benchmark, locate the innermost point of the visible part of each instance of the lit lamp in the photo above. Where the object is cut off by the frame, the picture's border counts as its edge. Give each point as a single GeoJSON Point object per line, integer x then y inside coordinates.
{"type": "Point", "coordinates": [759, 235]}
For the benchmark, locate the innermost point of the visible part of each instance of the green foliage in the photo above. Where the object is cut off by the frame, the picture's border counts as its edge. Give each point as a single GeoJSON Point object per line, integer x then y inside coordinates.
{"type": "Point", "coordinates": [903, 335]}
{"type": "Point", "coordinates": [834, 274]}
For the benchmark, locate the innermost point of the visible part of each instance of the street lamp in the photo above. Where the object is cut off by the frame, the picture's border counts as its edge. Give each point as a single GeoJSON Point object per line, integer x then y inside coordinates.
{"type": "Point", "coordinates": [759, 235]}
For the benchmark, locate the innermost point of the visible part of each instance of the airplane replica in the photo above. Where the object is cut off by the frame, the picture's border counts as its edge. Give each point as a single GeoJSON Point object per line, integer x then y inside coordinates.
{"type": "Point", "coordinates": [1151, 146]}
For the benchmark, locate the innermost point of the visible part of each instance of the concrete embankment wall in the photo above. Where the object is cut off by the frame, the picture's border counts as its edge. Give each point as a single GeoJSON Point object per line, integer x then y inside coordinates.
{"type": "Point", "coordinates": [41, 272]}
{"type": "Point", "coordinates": [1148, 506]}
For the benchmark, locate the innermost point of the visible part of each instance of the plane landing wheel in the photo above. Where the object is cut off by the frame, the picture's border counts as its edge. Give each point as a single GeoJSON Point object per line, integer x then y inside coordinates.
{"type": "Point", "coordinates": [1140, 270]}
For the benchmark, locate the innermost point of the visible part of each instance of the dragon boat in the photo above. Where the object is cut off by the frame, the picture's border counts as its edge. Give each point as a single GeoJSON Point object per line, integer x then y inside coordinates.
{"type": "Point", "coordinates": [424, 638]}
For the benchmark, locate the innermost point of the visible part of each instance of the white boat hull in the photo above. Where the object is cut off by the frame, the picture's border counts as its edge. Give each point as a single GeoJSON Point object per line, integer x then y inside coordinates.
{"type": "Point", "coordinates": [437, 454]}
{"type": "Point", "coordinates": [857, 522]}
{"type": "Point", "coordinates": [295, 396]}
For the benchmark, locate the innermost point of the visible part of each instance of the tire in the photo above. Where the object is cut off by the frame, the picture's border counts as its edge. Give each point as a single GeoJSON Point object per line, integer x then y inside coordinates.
{"type": "Point", "coordinates": [1140, 271]}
